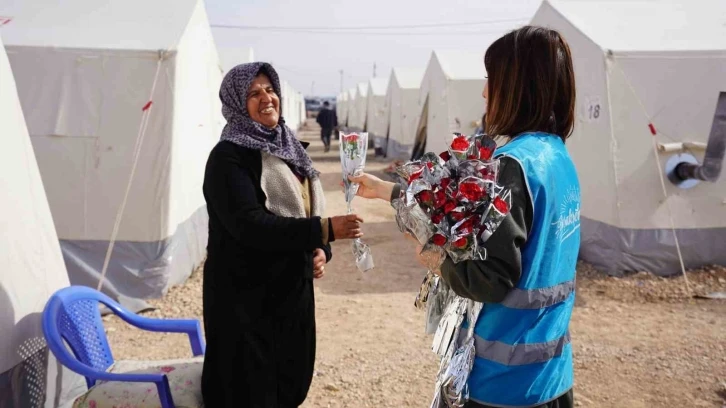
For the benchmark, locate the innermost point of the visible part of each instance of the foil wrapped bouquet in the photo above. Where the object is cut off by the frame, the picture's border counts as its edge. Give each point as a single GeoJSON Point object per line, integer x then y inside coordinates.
{"type": "Point", "coordinates": [451, 203]}
{"type": "Point", "coordinates": [353, 148]}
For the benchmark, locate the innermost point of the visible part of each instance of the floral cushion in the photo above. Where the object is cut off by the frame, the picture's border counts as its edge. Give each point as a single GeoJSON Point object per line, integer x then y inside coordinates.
{"type": "Point", "coordinates": [185, 381]}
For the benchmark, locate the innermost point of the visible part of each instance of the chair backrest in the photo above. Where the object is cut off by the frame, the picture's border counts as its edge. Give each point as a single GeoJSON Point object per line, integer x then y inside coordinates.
{"type": "Point", "coordinates": [72, 315]}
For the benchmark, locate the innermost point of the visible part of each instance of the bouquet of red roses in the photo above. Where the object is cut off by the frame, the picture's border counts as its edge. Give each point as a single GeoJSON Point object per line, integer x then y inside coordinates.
{"type": "Point", "coordinates": [452, 202]}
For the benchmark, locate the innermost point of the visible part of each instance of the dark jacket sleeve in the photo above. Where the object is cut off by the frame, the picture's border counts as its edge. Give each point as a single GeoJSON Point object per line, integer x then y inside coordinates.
{"type": "Point", "coordinates": [231, 194]}
{"type": "Point", "coordinates": [490, 280]}
{"type": "Point", "coordinates": [328, 252]}
{"type": "Point", "coordinates": [327, 248]}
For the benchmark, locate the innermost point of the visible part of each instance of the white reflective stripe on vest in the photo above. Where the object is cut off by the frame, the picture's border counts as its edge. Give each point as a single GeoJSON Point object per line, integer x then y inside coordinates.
{"type": "Point", "coordinates": [539, 298]}
{"type": "Point", "coordinates": [520, 354]}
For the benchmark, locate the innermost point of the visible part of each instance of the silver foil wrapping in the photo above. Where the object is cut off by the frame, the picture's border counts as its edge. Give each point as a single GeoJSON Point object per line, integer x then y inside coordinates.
{"type": "Point", "coordinates": [451, 203]}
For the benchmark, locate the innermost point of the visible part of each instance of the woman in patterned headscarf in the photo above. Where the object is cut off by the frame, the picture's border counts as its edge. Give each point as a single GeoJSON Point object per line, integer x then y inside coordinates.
{"type": "Point", "coordinates": [267, 241]}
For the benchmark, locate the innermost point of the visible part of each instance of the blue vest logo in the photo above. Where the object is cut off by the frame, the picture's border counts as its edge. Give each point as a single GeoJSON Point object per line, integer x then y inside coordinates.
{"type": "Point", "coordinates": [568, 221]}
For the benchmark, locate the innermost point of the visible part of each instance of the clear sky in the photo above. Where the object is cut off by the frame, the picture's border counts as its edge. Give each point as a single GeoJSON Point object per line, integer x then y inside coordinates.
{"type": "Point", "coordinates": [317, 49]}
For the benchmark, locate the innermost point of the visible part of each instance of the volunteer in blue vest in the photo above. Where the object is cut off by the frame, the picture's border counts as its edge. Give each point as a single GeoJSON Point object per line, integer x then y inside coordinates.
{"type": "Point", "coordinates": [527, 283]}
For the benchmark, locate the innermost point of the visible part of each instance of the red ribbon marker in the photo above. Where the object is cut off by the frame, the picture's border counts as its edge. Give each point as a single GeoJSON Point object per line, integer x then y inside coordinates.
{"type": "Point", "coordinates": [147, 106]}
{"type": "Point", "coordinates": [652, 129]}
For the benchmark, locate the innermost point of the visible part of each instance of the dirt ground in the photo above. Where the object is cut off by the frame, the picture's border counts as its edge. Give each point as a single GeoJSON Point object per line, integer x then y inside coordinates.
{"type": "Point", "coordinates": [639, 341]}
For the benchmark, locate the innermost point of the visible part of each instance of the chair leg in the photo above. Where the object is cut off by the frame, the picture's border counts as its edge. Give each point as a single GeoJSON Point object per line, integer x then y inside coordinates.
{"type": "Point", "coordinates": [167, 401]}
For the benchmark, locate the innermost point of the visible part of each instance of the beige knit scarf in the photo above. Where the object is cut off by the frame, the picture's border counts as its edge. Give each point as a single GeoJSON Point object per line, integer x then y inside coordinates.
{"type": "Point", "coordinates": [284, 190]}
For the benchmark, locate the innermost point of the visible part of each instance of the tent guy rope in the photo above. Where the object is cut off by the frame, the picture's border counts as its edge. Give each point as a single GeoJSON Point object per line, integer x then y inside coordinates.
{"type": "Point", "coordinates": [145, 114]}
{"type": "Point", "coordinates": [659, 167]}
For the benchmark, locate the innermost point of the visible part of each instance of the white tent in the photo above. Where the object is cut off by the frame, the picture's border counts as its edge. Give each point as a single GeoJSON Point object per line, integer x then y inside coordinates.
{"type": "Point", "coordinates": [341, 108]}
{"type": "Point", "coordinates": [376, 111]}
{"type": "Point", "coordinates": [301, 108]}
{"type": "Point", "coordinates": [230, 57]}
{"type": "Point", "coordinates": [640, 63]}
{"type": "Point", "coordinates": [450, 98]}
{"type": "Point", "coordinates": [350, 107]}
{"type": "Point", "coordinates": [403, 111]}
{"type": "Point", "coordinates": [98, 96]}
{"type": "Point", "coordinates": [357, 109]}
{"type": "Point", "coordinates": [32, 265]}
{"type": "Point", "coordinates": [291, 111]}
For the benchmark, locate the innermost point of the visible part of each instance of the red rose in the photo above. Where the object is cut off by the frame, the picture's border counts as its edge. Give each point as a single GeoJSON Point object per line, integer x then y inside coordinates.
{"type": "Point", "coordinates": [439, 240]}
{"type": "Point", "coordinates": [461, 243]}
{"type": "Point", "coordinates": [457, 216]}
{"type": "Point", "coordinates": [439, 198]}
{"type": "Point", "coordinates": [460, 144]}
{"type": "Point", "coordinates": [445, 156]}
{"type": "Point", "coordinates": [414, 176]}
{"type": "Point", "coordinates": [445, 183]}
{"type": "Point", "coordinates": [425, 197]}
{"type": "Point", "coordinates": [471, 157]}
{"type": "Point", "coordinates": [486, 173]}
{"type": "Point", "coordinates": [472, 191]}
{"type": "Point", "coordinates": [351, 138]}
{"type": "Point", "coordinates": [485, 153]}
{"type": "Point", "coordinates": [501, 205]}
{"type": "Point", "coordinates": [467, 227]}
{"type": "Point", "coordinates": [437, 218]}
{"type": "Point", "coordinates": [449, 206]}
{"type": "Point", "coordinates": [430, 165]}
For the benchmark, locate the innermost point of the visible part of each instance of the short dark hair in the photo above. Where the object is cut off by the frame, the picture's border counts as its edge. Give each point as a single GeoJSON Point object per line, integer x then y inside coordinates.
{"type": "Point", "coordinates": [326, 103]}
{"type": "Point", "coordinates": [531, 84]}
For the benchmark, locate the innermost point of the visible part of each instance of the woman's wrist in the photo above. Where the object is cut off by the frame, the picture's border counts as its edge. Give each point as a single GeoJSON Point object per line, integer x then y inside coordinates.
{"type": "Point", "coordinates": [384, 190]}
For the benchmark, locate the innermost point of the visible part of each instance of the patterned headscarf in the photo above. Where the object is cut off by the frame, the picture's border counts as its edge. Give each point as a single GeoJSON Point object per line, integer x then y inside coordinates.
{"type": "Point", "coordinates": [242, 130]}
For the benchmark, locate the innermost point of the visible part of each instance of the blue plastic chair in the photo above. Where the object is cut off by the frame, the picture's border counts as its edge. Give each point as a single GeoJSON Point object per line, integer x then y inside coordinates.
{"type": "Point", "coordinates": [72, 315]}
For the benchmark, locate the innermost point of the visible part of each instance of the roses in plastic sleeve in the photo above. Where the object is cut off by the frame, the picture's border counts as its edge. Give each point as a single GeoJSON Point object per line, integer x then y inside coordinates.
{"type": "Point", "coordinates": [457, 191]}
{"type": "Point", "coordinates": [498, 210]}
{"type": "Point", "coordinates": [353, 148]}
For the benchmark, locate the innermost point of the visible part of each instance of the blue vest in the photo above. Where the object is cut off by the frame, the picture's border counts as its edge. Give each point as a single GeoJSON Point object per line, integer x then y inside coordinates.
{"type": "Point", "coordinates": [523, 351]}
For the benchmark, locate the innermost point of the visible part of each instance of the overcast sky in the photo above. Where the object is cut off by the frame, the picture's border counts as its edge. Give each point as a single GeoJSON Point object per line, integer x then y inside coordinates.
{"type": "Point", "coordinates": [303, 57]}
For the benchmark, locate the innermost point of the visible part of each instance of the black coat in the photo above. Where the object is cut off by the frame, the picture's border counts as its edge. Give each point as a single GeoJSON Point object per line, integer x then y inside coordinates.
{"type": "Point", "coordinates": [259, 309]}
{"type": "Point", "coordinates": [327, 118]}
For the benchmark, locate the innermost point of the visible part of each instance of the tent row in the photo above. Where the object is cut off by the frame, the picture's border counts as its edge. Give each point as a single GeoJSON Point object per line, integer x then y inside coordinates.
{"type": "Point", "coordinates": [91, 93]}
{"type": "Point", "coordinates": [417, 109]}
{"type": "Point", "coordinates": [631, 83]}
{"type": "Point", "coordinates": [121, 122]}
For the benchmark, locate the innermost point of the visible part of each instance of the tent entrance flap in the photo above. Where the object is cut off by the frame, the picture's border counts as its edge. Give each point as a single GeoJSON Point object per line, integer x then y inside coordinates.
{"type": "Point", "coordinates": [419, 146]}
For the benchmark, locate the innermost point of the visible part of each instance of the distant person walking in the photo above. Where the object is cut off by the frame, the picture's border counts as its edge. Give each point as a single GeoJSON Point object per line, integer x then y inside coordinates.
{"type": "Point", "coordinates": [328, 120]}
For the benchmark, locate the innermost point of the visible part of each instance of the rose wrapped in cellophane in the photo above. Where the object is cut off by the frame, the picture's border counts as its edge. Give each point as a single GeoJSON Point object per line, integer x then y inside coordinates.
{"type": "Point", "coordinates": [353, 149]}
{"type": "Point", "coordinates": [452, 204]}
